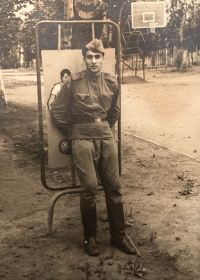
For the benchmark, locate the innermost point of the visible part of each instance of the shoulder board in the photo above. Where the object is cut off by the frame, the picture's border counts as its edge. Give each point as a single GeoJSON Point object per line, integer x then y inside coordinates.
{"type": "Point", "coordinates": [108, 77]}
{"type": "Point", "coordinates": [78, 76]}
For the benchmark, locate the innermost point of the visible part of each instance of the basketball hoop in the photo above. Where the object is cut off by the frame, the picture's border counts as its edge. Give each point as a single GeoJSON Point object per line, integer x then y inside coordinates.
{"type": "Point", "coordinates": [152, 26]}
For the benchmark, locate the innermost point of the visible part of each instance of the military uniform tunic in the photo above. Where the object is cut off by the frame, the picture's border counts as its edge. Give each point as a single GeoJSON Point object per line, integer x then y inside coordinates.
{"type": "Point", "coordinates": [84, 111]}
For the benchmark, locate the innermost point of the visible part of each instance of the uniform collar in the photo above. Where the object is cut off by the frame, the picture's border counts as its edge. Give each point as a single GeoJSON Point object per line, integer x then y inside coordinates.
{"type": "Point", "coordinates": [90, 75]}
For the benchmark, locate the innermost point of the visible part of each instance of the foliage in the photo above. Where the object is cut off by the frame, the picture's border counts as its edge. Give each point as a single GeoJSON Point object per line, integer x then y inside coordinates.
{"type": "Point", "coordinates": [10, 26]}
{"type": "Point", "coordinates": [197, 28]}
{"type": "Point", "coordinates": [46, 9]}
{"type": "Point", "coordinates": [27, 40]}
{"type": "Point", "coordinates": [48, 34]}
{"type": "Point", "coordinates": [17, 31]}
{"type": "Point", "coordinates": [182, 30]}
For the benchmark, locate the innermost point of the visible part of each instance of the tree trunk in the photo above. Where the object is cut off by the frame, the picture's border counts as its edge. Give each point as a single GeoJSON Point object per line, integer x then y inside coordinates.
{"type": "Point", "coordinates": [67, 29]}
{"type": "Point", "coordinates": [184, 53]}
{"type": "Point", "coordinates": [3, 101]}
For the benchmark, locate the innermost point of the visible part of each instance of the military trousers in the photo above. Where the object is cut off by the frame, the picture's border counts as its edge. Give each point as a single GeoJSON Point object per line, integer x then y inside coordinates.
{"type": "Point", "coordinates": [91, 156]}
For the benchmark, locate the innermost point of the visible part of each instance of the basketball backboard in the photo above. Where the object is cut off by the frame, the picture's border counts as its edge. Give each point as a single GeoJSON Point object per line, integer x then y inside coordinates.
{"type": "Point", "coordinates": [148, 14]}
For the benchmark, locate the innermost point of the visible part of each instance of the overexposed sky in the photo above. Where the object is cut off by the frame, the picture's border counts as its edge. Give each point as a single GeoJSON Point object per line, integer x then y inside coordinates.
{"type": "Point", "coordinates": [28, 9]}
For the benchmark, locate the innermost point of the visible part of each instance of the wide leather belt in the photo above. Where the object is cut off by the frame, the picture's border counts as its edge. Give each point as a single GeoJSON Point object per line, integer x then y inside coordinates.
{"type": "Point", "coordinates": [88, 120]}
{"type": "Point", "coordinates": [99, 120]}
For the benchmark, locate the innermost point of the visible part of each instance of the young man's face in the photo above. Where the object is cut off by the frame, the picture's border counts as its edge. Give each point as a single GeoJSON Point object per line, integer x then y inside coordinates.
{"type": "Point", "coordinates": [93, 62]}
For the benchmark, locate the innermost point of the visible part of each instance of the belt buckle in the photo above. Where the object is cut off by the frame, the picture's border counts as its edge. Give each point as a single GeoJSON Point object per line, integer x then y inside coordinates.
{"type": "Point", "coordinates": [97, 120]}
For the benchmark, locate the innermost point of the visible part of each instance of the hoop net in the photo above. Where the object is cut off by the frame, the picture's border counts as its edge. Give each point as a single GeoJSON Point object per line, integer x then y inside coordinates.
{"type": "Point", "coordinates": [152, 26]}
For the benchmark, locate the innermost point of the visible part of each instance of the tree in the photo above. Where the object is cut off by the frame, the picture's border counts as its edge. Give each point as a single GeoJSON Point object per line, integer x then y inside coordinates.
{"type": "Point", "coordinates": [181, 31]}
{"type": "Point", "coordinates": [54, 10]}
{"type": "Point", "coordinates": [197, 28]}
{"type": "Point", "coordinates": [10, 27]}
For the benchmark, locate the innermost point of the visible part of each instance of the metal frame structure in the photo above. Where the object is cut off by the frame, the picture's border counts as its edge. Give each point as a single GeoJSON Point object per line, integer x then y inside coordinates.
{"type": "Point", "coordinates": [73, 188]}
{"type": "Point", "coordinates": [127, 34]}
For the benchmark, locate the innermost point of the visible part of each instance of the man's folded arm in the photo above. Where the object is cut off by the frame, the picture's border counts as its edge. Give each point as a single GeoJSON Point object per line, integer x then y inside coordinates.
{"type": "Point", "coordinates": [114, 111]}
{"type": "Point", "coordinates": [61, 111]}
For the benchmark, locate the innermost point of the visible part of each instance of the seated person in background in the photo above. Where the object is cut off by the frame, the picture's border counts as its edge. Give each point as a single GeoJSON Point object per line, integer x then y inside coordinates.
{"type": "Point", "coordinates": [64, 74]}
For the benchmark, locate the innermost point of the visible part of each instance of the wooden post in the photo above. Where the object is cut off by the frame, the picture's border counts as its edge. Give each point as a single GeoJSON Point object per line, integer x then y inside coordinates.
{"type": "Point", "coordinates": [3, 101]}
{"type": "Point", "coordinates": [93, 31]}
{"type": "Point", "coordinates": [68, 9]}
{"type": "Point", "coordinates": [59, 36]}
{"type": "Point", "coordinates": [143, 66]}
{"type": "Point", "coordinates": [66, 44]}
{"type": "Point", "coordinates": [67, 29]}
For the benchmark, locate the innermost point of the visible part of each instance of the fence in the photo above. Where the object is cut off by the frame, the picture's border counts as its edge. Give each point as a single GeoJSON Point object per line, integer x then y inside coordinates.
{"type": "Point", "coordinates": [161, 59]}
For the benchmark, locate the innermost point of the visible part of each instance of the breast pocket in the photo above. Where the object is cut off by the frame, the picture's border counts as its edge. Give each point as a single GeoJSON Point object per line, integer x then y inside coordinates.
{"type": "Point", "coordinates": [107, 99]}
{"type": "Point", "coordinates": [83, 97]}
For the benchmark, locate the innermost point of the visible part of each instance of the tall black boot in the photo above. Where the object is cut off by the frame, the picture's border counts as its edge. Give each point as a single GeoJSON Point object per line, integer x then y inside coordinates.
{"type": "Point", "coordinates": [89, 220]}
{"type": "Point", "coordinates": [117, 228]}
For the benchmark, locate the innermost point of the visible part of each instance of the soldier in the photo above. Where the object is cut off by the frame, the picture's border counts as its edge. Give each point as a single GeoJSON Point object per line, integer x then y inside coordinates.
{"type": "Point", "coordinates": [85, 110]}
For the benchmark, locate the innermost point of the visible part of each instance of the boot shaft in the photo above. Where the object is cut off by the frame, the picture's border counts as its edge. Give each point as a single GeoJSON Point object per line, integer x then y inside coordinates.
{"type": "Point", "coordinates": [89, 221]}
{"type": "Point", "coordinates": [116, 219]}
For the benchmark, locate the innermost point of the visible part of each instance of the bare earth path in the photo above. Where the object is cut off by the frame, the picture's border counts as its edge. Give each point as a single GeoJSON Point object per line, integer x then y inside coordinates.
{"type": "Point", "coordinates": [160, 188]}
{"type": "Point", "coordinates": [165, 110]}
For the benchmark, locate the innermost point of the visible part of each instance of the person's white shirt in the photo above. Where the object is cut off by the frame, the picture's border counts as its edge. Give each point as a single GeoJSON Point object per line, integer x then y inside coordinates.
{"type": "Point", "coordinates": [55, 91]}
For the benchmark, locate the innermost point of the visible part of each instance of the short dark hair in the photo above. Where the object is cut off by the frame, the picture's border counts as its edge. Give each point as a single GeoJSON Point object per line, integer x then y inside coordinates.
{"type": "Point", "coordinates": [63, 72]}
{"type": "Point", "coordinates": [84, 50]}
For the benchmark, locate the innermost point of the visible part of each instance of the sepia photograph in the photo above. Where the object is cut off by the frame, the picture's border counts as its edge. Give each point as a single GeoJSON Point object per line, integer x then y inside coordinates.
{"type": "Point", "coordinates": [99, 139]}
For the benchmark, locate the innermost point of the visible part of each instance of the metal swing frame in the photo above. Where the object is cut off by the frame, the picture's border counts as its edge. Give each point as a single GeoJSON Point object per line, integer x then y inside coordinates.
{"type": "Point", "coordinates": [73, 188]}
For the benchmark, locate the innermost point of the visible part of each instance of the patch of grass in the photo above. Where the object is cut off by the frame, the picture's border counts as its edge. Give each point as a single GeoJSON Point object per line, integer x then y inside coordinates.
{"type": "Point", "coordinates": [12, 83]}
{"type": "Point", "coordinates": [20, 124]}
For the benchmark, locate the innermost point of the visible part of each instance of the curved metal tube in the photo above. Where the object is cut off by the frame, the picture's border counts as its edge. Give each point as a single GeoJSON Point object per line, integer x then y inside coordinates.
{"type": "Point", "coordinates": [52, 204]}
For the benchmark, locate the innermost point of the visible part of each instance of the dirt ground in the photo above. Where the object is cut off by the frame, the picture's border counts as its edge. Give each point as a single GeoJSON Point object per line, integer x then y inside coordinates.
{"type": "Point", "coordinates": [166, 109]}
{"type": "Point", "coordinates": [160, 179]}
